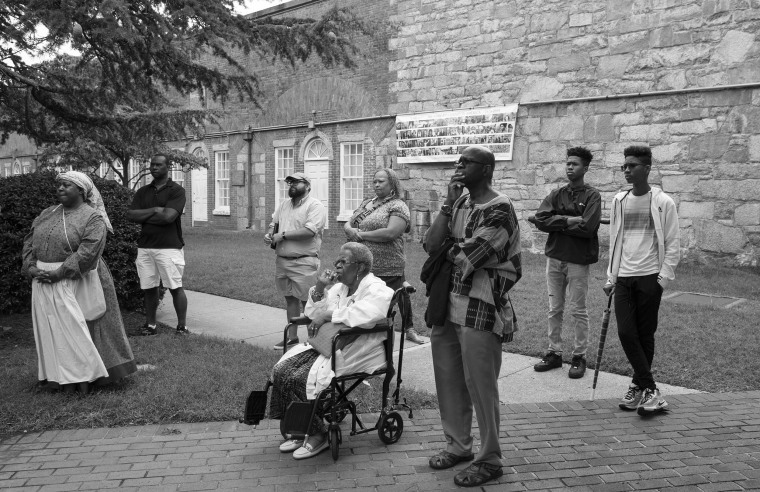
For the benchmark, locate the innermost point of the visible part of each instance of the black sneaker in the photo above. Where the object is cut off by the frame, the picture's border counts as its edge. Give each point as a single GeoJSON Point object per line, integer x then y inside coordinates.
{"type": "Point", "coordinates": [577, 367]}
{"type": "Point", "coordinates": [182, 330]}
{"type": "Point", "coordinates": [551, 360]}
{"type": "Point", "coordinates": [148, 330]}
{"type": "Point", "coordinates": [291, 342]}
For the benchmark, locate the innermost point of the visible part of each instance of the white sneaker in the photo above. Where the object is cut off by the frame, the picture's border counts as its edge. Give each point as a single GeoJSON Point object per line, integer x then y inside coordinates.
{"type": "Point", "coordinates": [632, 398]}
{"type": "Point", "coordinates": [290, 445]}
{"type": "Point", "coordinates": [652, 402]}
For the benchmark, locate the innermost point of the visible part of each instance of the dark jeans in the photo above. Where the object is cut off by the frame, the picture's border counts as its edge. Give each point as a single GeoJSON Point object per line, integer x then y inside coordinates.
{"type": "Point", "coordinates": [637, 303]}
{"type": "Point", "coordinates": [395, 282]}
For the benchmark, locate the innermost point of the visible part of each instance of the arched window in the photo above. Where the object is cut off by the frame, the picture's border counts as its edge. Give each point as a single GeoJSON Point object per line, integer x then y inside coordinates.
{"type": "Point", "coordinates": [16, 167]}
{"type": "Point", "coordinates": [317, 150]}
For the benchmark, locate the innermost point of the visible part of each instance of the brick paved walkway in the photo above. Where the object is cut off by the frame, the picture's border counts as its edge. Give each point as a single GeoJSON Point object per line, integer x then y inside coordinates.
{"type": "Point", "coordinates": [707, 442]}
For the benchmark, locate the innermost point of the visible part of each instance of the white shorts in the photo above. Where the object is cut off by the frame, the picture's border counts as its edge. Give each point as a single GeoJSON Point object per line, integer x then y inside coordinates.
{"type": "Point", "coordinates": [154, 265]}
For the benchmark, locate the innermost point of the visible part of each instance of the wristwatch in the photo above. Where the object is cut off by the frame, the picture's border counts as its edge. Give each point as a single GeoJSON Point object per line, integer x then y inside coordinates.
{"type": "Point", "coordinates": [446, 210]}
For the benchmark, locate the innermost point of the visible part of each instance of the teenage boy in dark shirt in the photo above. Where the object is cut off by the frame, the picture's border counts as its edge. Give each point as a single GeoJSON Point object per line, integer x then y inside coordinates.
{"type": "Point", "coordinates": [571, 216]}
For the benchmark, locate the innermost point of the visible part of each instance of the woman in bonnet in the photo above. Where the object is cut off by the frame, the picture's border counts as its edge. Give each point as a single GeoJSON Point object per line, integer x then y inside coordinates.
{"type": "Point", "coordinates": [78, 327]}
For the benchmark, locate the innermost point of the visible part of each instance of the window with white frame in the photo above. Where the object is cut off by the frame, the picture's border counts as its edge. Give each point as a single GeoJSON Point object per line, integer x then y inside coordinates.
{"type": "Point", "coordinates": [178, 176]}
{"type": "Point", "coordinates": [138, 173]}
{"type": "Point", "coordinates": [103, 170]}
{"type": "Point", "coordinates": [120, 168]}
{"type": "Point", "coordinates": [351, 178]}
{"type": "Point", "coordinates": [27, 168]}
{"type": "Point", "coordinates": [16, 168]}
{"type": "Point", "coordinates": [284, 165]}
{"type": "Point", "coordinates": [222, 183]}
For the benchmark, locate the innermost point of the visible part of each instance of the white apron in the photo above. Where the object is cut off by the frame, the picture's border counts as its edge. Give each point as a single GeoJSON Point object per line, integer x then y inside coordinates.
{"type": "Point", "coordinates": [65, 351]}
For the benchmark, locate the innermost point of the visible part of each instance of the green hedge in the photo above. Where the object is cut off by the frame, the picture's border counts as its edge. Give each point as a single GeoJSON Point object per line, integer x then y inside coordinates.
{"type": "Point", "coordinates": [22, 198]}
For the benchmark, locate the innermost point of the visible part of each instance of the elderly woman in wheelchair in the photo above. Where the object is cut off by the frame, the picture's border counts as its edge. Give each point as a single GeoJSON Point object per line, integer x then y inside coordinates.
{"type": "Point", "coordinates": [350, 296]}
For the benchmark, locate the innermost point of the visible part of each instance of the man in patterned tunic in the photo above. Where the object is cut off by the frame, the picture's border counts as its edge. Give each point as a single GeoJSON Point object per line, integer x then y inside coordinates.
{"type": "Point", "coordinates": [467, 348]}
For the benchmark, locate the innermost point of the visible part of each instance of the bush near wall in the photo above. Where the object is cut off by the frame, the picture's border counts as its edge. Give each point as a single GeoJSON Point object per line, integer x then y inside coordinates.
{"type": "Point", "coordinates": [22, 198]}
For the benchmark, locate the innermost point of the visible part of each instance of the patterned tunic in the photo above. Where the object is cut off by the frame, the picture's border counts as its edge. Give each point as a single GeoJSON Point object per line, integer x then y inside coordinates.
{"type": "Point", "coordinates": [388, 257]}
{"type": "Point", "coordinates": [486, 257]}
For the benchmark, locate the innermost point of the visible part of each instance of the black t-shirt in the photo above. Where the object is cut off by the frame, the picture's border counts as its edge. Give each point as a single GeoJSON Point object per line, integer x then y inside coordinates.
{"type": "Point", "coordinates": [168, 236]}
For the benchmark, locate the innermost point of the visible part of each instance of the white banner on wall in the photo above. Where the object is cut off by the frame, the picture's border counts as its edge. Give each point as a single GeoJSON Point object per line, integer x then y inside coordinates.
{"type": "Point", "coordinates": [443, 135]}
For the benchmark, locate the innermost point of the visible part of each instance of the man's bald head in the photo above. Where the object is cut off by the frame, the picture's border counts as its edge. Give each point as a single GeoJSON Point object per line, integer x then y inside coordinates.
{"type": "Point", "coordinates": [480, 154]}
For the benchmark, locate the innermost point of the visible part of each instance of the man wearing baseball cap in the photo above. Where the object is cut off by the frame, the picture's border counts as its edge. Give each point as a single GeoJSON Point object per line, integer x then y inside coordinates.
{"type": "Point", "coordinates": [296, 233]}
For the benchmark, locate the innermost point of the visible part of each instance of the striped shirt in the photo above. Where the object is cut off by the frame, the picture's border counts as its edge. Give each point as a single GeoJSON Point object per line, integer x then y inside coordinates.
{"type": "Point", "coordinates": [487, 265]}
{"type": "Point", "coordinates": [640, 256]}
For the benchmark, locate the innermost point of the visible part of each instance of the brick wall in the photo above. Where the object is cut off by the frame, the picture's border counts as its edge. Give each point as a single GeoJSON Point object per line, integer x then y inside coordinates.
{"type": "Point", "coordinates": [453, 54]}
{"type": "Point", "coordinates": [288, 96]}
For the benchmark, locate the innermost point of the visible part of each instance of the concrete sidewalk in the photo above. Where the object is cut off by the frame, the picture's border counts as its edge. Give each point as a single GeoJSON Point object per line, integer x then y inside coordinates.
{"type": "Point", "coordinates": [519, 383]}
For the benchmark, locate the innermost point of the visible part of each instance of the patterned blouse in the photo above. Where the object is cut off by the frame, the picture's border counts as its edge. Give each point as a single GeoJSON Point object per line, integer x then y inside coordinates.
{"type": "Point", "coordinates": [46, 241]}
{"type": "Point", "coordinates": [388, 257]}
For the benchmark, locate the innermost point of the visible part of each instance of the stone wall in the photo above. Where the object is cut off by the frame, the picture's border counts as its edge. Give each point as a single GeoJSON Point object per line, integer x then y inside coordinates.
{"type": "Point", "coordinates": [453, 54]}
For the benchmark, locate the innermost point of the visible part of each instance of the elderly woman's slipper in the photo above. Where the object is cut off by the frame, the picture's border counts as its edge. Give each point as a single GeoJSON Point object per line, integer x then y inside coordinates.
{"type": "Point", "coordinates": [444, 460]}
{"type": "Point", "coordinates": [290, 445]}
{"type": "Point", "coordinates": [308, 449]}
{"type": "Point", "coordinates": [477, 474]}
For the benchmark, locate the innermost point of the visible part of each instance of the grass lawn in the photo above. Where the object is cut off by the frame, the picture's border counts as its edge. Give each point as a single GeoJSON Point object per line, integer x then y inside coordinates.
{"type": "Point", "coordinates": [705, 348]}
{"type": "Point", "coordinates": [188, 384]}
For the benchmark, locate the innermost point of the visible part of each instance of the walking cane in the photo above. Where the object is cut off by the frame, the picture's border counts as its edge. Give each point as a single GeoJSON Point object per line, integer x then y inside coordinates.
{"type": "Point", "coordinates": [602, 338]}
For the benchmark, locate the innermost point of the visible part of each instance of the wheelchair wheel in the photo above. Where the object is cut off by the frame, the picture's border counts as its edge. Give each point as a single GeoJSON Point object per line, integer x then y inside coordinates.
{"type": "Point", "coordinates": [333, 435]}
{"type": "Point", "coordinates": [391, 427]}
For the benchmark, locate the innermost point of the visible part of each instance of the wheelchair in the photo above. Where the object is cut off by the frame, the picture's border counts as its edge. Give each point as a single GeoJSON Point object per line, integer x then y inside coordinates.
{"type": "Point", "coordinates": [333, 404]}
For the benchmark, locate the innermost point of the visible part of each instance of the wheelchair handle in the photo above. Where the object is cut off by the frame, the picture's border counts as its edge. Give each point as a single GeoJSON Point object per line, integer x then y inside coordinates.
{"type": "Point", "coordinates": [409, 288]}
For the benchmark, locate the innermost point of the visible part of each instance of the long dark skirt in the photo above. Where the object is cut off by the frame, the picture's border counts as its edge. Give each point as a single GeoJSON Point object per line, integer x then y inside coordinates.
{"type": "Point", "coordinates": [289, 384]}
{"type": "Point", "coordinates": [108, 333]}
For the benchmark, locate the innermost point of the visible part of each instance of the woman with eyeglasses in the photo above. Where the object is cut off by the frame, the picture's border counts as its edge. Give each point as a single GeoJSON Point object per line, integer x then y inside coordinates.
{"type": "Point", "coordinates": [351, 295]}
{"type": "Point", "coordinates": [380, 223]}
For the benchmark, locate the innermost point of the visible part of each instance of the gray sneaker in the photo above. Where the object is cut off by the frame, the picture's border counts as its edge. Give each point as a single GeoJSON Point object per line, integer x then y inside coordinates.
{"type": "Point", "coordinates": [652, 402]}
{"type": "Point", "coordinates": [632, 398]}
{"type": "Point", "coordinates": [291, 342]}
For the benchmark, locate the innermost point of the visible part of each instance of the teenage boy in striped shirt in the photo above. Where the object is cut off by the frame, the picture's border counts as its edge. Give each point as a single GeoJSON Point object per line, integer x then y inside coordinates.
{"type": "Point", "coordinates": [644, 252]}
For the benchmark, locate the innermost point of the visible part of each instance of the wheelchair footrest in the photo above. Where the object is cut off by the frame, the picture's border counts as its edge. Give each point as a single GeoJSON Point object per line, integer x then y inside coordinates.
{"type": "Point", "coordinates": [298, 418]}
{"type": "Point", "coordinates": [255, 408]}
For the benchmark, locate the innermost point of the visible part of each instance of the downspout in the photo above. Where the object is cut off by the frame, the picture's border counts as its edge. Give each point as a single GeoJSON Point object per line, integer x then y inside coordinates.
{"type": "Point", "coordinates": [249, 182]}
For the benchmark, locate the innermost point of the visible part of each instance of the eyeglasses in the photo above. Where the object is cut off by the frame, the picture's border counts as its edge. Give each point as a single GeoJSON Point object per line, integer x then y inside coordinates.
{"type": "Point", "coordinates": [629, 166]}
{"type": "Point", "coordinates": [343, 263]}
{"type": "Point", "coordinates": [292, 182]}
{"type": "Point", "coordinates": [466, 162]}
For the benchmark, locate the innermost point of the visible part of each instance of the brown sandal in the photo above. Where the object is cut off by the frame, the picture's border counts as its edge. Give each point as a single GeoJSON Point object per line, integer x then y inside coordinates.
{"type": "Point", "coordinates": [444, 460]}
{"type": "Point", "coordinates": [477, 474]}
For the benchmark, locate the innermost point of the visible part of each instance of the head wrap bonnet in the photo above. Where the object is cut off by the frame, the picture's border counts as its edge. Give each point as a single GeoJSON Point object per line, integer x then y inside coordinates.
{"type": "Point", "coordinates": [91, 193]}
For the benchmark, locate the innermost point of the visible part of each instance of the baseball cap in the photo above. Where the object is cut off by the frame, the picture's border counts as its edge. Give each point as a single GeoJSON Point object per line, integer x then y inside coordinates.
{"type": "Point", "coordinates": [298, 177]}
